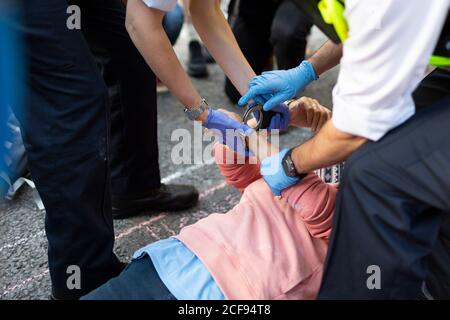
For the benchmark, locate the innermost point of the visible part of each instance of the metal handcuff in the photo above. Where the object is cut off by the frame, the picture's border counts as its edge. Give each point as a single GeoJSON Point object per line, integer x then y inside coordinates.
{"type": "Point", "coordinates": [250, 112]}
{"type": "Point", "coordinates": [264, 118]}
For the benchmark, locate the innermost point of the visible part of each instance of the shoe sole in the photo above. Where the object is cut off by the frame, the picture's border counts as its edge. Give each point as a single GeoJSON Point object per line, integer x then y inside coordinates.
{"type": "Point", "coordinates": [198, 73]}
{"type": "Point", "coordinates": [135, 211]}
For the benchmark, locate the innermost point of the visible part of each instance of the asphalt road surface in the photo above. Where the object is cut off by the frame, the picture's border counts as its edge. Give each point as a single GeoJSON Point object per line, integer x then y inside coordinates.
{"type": "Point", "coordinates": [23, 246]}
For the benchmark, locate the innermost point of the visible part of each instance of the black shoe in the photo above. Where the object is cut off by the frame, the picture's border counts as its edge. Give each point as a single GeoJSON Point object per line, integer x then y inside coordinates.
{"type": "Point", "coordinates": [165, 198]}
{"type": "Point", "coordinates": [208, 57]}
{"type": "Point", "coordinates": [197, 63]}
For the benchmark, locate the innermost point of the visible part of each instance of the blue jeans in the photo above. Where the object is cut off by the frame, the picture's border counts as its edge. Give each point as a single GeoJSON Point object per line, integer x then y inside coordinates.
{"type": "Point", "coordinates": [173, 22]}
{"type": "Point", "coordinates": [139, 281]}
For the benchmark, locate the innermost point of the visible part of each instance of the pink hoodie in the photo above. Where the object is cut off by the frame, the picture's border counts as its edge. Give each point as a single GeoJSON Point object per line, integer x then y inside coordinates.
{"type": "Point", "coordinates": [266, 248]}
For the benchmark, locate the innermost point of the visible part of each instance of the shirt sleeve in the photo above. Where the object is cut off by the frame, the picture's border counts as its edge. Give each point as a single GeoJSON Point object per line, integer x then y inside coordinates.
{"type": "Point", "coordinates": [163, 5]}
{"type": "Point", "coordinates": [236, 170]}
{"type": "Point", "coordinates": [315, 201]}
{"type": "Point", "coordinates": [385, 58]}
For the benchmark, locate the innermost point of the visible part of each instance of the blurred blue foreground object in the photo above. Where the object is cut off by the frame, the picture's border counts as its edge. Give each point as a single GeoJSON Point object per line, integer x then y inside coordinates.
{"type": "Point", "coordinates": [11, 73]}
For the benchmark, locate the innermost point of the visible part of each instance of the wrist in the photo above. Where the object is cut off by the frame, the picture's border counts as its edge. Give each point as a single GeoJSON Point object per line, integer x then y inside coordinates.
{"type": "Point", "coordinates": [302, 76]}
{"type": "Point", "coordinates": [247, 135]}
{"type": "Point", "coordinates": [309, 67]}
{"type": "Point", "coordinates": [294, 111]}
{"type": "Point", "coordinates": [204, 116]}
{"type": "Point", "coordinates": [295, 156]}
{"type": "Point", "coordinates": [315, 66]}
{"type": "Point", "coordinates": [288, 165]}
{"type": "Point", "coordinates": [199, 112]}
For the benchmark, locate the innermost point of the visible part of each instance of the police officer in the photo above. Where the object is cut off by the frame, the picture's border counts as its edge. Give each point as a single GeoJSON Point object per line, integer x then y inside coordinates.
{"type": "Point", "coordinates": [395, 188]}
{"type": "Point", "coordinates": [134, 160]}
{"type": "Point", "coordinates": [277, 29]}
{"type": "Point", "coordinates": [65, 131]}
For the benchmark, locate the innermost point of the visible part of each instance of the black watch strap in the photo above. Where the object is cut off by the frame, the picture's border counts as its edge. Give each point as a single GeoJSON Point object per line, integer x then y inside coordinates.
{"type": "Point", "coordinates": [289, 167]}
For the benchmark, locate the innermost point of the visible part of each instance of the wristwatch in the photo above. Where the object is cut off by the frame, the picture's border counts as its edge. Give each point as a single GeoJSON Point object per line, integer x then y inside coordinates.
{"type": "Point", "coordinates": [194, 113]}
{"type": "Point", "coordinates": [289, 167]}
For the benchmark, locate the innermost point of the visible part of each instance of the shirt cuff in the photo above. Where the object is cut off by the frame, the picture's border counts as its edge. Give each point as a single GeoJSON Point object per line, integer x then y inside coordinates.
{"type": "Point", "coordinates": [163, 5]}
{"type": "Point", "coordinates": [371, 124]}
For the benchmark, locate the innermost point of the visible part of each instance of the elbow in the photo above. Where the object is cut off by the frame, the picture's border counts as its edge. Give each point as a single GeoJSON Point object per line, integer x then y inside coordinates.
{"type": "Point", "coordinates": [200, 11]}
{"type": "Point", "coordinates": [350, 138]}
{"type": "Point", "coordinates": [349, 142]}
{"type": "Point", "coordinates": [130, 23]}
{"type": "Point", "coordinates": [143, 23]}
{"type": "Point", "coordinates": [352, 142]}
{"type": "Point", "coordinates": [195, 8]}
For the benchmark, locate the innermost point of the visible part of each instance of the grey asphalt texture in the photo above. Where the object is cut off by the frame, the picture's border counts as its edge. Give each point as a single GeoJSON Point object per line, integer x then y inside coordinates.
{"type": "Point", "coordinates": [23, 245]}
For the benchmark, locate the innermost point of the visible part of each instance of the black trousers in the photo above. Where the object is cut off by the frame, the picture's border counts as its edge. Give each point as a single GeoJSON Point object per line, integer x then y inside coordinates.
{"type": "Point", "coordinates": [392, 200]}
{"type": "Point", "coordinates": [134, 159]}
{"type": "Point", "coordinates": [437, 285]}
{"type": "Point", "coordinates": [276, 28]}
{"type": "Point", "coordinates": [65, 131]}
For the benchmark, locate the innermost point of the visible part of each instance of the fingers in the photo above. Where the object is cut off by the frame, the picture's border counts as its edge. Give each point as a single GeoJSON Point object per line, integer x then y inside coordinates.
{"type": "Point", "coordinates": [311, 113]}
{"type": "Point", "coordinates": [317, 114]}
{"type": "Point", "coordinates": [274, 101]}
{"type": "Point", "coordinates": [308, 107]}
{"type": "Point", "coordinates": [260, 100]}
{"type": "Point", "coordinates": [252, 123]}
{"type": "Point", "coordinates": [324, 117]}
{"type": "Point", "coordinates": [258, 90]}
{"type": "Point", "coordinates": [321, 115]}
{"type": "Point", "coordinates": [320, 121]}
{"type": "Point", "coordinates": [251, 94]}
{"type": "Point", "coordinates": [230, 114]}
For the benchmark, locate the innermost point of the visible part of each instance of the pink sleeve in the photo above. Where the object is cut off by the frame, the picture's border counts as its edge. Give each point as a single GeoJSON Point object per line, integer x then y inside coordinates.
{"type": "Point", "coordinates": [237, 174]}
{"type": "Point", "coordinates": [312, 198]}
{"type": "Point", "coordinates": [315, 201]}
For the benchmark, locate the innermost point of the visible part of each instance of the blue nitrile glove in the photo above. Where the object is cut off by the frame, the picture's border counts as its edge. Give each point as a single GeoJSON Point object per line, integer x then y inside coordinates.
{"type": "Point", "coordinates": [226, 129]}
{"type": "Point", "coordinates": [279, 121]}
{"type": "Point", "coordinates": [273, 173]}
{"type": "Point", "coordinates": [260, 99]}
{"type": "Point", "coordinates": [281, 84]}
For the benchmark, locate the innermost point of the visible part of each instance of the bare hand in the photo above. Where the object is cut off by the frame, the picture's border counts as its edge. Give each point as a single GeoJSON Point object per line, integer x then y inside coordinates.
{"type": "Point", "coordinates": [308, 113]}
{"type": "Point", "coordinates": [232, 115]}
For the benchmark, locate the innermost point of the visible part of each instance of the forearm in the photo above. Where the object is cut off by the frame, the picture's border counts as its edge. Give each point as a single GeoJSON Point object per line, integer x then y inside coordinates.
{"type": "Point", "coordinates": [216, 33]}
{"type": "Point", "coordinates": [237, 172]}
{"type": "Point", "coordinates": [261, 148]}
{"type": "Point", "coordinates": [330, 146]}
{"type": "Point", "coordinates": [145, 28]}
{"type": "Point", "coordinates": [240, 171]}
{"type": "Point", "coordinates": [327, 57]}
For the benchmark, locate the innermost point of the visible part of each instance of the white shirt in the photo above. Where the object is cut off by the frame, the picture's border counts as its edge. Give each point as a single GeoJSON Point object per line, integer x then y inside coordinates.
{"type": "Point", "coordinates": [163, 5]}
{"type": "Point", "coordinates": [385, 58]}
